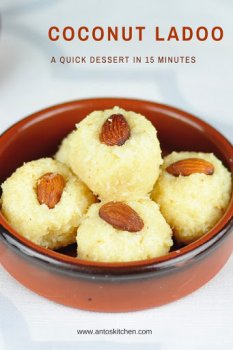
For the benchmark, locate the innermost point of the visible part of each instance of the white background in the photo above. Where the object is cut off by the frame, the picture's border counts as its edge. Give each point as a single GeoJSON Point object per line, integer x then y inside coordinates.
{"type": "Point", "coordinates": [29, 82]}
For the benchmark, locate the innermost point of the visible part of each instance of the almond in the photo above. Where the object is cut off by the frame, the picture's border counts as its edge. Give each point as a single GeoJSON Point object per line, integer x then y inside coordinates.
{"type": "Point", "coordinates": [121, 216]}
{"type": "Point", "coordinates": [115, 131]}
{"type": "Point", "coordinates": [50, 188]}
{"type": "Point", "coordinates": [186, 167]}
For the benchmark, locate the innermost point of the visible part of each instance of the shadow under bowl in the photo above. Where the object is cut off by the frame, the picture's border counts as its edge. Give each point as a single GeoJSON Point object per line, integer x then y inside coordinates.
{"type": "Point", "coordinates": [112, 287]}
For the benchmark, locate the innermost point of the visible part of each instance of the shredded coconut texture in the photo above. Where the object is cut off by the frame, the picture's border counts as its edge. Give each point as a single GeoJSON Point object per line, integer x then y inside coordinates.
{"type": "Point", "coordinates": [50, 228]}
{"type": "Point", "coordinates": [114, 172]}
{"type": "Point", "coordinates": [192, 204]}
{"type": "Point", "coordinates": [100, 241]}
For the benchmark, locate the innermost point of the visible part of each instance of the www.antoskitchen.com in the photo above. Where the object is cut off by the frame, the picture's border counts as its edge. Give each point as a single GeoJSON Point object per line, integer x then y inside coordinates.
{"type": "Point", "coordinates": [114, 331]}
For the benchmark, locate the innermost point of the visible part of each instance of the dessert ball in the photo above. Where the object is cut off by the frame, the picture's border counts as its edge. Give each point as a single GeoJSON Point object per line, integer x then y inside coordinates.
{"type": "Point", "coordinates": [44, 202]}
{"type": "Point", "coordinates": [193, 192]}
{"type": "Point", "coordinates": [115, 152]}
{"type": "Point", "coordinates": [123, 231]}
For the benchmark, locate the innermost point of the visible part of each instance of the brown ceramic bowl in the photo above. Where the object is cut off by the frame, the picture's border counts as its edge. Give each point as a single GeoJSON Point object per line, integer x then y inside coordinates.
{"type": "Point", "coordinates": [112, 287]}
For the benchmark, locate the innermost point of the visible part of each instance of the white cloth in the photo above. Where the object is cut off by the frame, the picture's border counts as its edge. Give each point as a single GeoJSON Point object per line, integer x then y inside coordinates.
{"type": "Point", "coordinates": [29, 82]}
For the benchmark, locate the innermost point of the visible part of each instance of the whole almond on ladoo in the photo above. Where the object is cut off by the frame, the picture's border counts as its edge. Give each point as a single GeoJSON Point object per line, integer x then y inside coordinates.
{"type": "Point", "coordinates": [39, 182]}
{"type": "Point", "coordinates": [193, 204]}
{"type": "Point", "coordinates": [115, 131]}
{"type": "Point", "coordinates": [112, 241]}
{"type": "Point", "coordinates": [116, 153]}
{"type": "Point", "coordinates": [50, 188]}
{"type": "Point", "coordinates": [121, 216]}
{"type": "Point", "coordinates": [189, 166]}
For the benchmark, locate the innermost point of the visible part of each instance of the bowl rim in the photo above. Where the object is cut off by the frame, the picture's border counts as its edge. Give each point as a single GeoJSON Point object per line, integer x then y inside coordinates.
{"type": "Point", "coordinates": [183, 254]}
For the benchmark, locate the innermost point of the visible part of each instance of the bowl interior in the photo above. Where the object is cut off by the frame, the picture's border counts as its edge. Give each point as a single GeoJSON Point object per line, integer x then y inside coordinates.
{"type": "Point", "coordinates": [40, 134]}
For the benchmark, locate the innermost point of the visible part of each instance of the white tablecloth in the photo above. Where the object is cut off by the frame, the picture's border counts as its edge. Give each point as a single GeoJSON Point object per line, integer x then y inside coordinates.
{"type": "Point", "coordinates": [29, 82]}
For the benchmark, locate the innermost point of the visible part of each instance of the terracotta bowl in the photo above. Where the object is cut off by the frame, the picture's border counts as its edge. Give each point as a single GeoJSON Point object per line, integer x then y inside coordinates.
{"type": "Point", "coordinates": [112, 287]}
